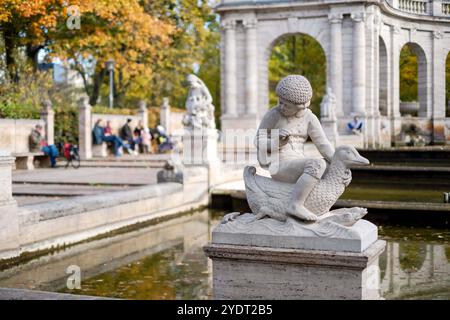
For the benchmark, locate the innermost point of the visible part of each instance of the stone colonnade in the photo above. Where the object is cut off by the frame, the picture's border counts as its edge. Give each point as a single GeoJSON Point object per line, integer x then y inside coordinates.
{"type": "Point", "coordinates": [362, 44]}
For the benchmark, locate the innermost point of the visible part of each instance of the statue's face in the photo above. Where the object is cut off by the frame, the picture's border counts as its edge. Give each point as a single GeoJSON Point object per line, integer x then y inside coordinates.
{"type": "Point", "coordinates": [289, 109]}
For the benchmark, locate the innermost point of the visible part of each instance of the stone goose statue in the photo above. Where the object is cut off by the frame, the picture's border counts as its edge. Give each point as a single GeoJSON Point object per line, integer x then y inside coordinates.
{"type": "Point", "coordinates": [269, 198]}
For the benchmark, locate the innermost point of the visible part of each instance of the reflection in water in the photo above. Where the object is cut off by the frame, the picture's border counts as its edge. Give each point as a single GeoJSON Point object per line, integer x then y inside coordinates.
{"type": "Point", "coordinates": [415, 269]}
{"type": "Point", "coordinates": [166, 261]}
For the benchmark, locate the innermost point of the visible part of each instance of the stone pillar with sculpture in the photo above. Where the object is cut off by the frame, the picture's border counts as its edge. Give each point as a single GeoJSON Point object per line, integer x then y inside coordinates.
{"type": "Point", "coordinates": [199, 156]}
{"type": "Point", "coordinates": [200, 134]}
{"type": "Point", "coordinates": [292, 245]}
{"type": "Point", "coordinates": [9, 218]}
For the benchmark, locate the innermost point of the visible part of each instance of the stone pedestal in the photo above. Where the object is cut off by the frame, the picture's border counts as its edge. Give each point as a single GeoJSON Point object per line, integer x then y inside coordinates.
{"type": "Point", "coordinates": [84, 128]}
{"type": "Point", "coordinates": [9, 220]}
{"type": "Point", "coordinates": [241, 122]}
{"type": "Point", "coordinates": [331, 130]}
{"type": "Point", "coordinates": [200, 147]}
{"type": "Point", "coordinates": [267, 259]}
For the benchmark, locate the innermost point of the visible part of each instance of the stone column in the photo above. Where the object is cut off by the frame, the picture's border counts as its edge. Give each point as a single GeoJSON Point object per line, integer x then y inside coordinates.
{"type": "Point", "coordinates": [9, 222]}
{"type": "Point", "coordinates": [230, 68]}
{"type": "Point", "coordinates": [251, 76]}
{"type": "Point", "coordinates": [84, 128]}
{"type": "Point", "coordinates": [143, 112]}
{"type": "Point", "coordinates": [164, 115]}
{"type": "Point", "coordinates": [359, 63]}
{"type": "Point", "coordinates": [48, 115]}
{"type": "Point", "coordinates": [336, 59]}
{"type": "Point", "coordinates": [438, 87]}
{"type": "Point", "coordinates": [394, 57]}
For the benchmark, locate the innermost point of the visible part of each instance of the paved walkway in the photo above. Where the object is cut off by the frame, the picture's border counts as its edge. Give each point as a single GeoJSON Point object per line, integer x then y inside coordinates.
{"type": "Point", "coordinates": [99, 175]}
{"type": "Point", "coordinates": [88, 176]}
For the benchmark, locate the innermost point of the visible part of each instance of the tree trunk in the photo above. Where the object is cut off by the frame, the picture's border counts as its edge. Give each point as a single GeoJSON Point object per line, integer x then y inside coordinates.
{"type": "Point", "coordinates": [98, 80]}
{"type": "Point", "coordinates": [8, 37]}
{"type": "Point", "coordinates": [32, 54]}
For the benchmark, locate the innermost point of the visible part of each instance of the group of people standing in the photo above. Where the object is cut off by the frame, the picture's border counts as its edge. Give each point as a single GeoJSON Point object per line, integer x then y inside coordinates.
{"type": "Point", "coordinates": [134, 141]}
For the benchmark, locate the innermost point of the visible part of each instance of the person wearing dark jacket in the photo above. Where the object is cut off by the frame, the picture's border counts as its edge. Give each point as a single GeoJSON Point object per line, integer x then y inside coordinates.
{"type": "Point", "coordinates": [98, 137]}
{"type": "Point", "coordinates": [37, 143]}
{"type": "Point", "coordinates": [126, 134]}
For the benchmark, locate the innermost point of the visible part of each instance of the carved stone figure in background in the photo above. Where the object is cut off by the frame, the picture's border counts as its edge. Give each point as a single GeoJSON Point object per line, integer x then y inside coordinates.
{"type": "Point", "coordinates": [200, 110]}
{"type": "Point", "coordinates": [295, 122]}
{"type": "Point", "coordinates": [328, 106]}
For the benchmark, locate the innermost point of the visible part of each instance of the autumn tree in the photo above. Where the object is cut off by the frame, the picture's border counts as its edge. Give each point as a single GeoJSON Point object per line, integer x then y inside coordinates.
{"type": "Point", "coordinates": [194, 49]}
{"type": "Point", "coordinates": [120, 30]}
{"type": "Point", "coordinates": [27, 25]}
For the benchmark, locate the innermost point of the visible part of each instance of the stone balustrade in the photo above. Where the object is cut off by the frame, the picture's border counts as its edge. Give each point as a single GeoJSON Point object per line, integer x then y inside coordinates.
{"type": "Point", "coordinates": [414, 6]}
{"type": "Point", "coordinates": [446, 8]}
{"type": "Point", "coordinates": [423, 7]}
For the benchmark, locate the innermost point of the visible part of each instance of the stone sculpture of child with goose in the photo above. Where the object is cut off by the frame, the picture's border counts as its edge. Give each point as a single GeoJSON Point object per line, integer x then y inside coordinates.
{"type": "Point", "coordinates": [301, 190]}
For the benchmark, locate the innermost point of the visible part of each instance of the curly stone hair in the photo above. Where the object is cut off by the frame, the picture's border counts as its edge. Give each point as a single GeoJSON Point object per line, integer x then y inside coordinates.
{"type": "Point", "coordinates": [294, 88]}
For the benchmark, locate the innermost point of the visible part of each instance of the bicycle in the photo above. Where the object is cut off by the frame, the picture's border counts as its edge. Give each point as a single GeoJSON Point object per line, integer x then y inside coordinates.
{"type": "Point", "coordinates": [72, 155]}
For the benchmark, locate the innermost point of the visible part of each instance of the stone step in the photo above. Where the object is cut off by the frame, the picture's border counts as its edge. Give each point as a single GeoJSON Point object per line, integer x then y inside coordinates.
{"type": "Point", "coordinates": [116, 164]}
{"type": "Point", "coordinates": [60, 190]}
{"type": "Point", "coordinates": [402, 156]}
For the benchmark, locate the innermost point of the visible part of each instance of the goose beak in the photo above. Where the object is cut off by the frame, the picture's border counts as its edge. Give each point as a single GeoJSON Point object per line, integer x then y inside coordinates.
{"type": "Point", "coordinates": [361, 160]}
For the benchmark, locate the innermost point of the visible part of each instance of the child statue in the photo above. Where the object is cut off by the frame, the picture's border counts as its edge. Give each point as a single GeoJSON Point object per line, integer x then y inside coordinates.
{"type": "Point", "coordinates": [295, 123]}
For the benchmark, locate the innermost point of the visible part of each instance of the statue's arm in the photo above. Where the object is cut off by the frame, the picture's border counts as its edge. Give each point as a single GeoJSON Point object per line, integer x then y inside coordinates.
{"type": "Point", "coordinates": [263, 135]}
{"type": "Point", "coordinates": [320, 140]}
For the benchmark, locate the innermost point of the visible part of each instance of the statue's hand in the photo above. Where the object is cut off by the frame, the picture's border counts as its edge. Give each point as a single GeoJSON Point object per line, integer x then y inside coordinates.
{"type": "Point", "coordinates": [284, 136]}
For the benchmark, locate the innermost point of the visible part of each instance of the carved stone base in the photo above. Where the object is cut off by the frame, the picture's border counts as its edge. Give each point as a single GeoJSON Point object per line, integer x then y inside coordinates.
{"type": "Point", "coordinates": [249, 272]}
{"type": "Point", "coordinates": [292, 234]}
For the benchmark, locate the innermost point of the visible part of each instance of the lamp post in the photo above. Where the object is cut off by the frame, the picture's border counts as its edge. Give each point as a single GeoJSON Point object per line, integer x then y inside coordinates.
{"type": "Point", "coordinates": [110, 68]}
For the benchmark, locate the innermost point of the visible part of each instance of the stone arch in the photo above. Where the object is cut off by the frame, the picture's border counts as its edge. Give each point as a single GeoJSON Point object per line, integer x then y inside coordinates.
{"type": "Point", "coordinates": [290, 41]}
{"type": "Point", "coordinates": [422, 77]}
{"type": "Point", "coordinates": [383, 78]}
{"type": "Point", "coordinates": [269, 32]}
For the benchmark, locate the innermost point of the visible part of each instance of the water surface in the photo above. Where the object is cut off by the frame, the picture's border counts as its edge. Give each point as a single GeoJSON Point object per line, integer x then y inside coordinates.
{"type": "Point", "coordinates": [166, 261]}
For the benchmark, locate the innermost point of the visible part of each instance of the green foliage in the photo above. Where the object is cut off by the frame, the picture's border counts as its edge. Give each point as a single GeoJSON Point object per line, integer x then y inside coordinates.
{"type": "Point", "coordinates": [23, 99]}
{"type": "Point", "coordinates": [15, 111]}
{"type": "Point", "coordinates": [408, 75]}
{"type": "Point", "coordinates": [120, 111]}
{"type": "Point", "coordinates": [194, 48]}
{"type": "Point", "coordinates": [209, 70]}
{"type": "Point", "coordinates": [298, 54]}
{"type": "Point", "coordinates": [66, 124]}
